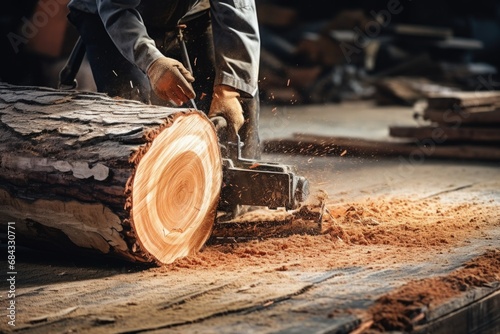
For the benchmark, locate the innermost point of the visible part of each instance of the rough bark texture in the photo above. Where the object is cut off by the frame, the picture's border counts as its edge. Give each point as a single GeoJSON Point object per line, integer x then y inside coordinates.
{"type": "Point", "coordinates": [71, 173]}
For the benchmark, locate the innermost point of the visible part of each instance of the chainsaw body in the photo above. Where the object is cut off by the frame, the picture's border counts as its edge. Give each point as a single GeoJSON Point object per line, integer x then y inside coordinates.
{"type": "Point", "coordinates": [266, 184]}
{"type": "Point", "coordinates": [256, 183]}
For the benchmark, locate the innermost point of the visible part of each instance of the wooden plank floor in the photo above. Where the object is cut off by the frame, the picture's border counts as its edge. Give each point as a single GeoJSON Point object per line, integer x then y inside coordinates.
{"type": "Point", "coordinates": [279, 290]}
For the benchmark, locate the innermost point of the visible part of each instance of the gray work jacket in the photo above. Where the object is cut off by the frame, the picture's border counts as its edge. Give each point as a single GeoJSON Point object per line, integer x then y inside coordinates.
{"type": "Point", "coordinates": [234, 25]}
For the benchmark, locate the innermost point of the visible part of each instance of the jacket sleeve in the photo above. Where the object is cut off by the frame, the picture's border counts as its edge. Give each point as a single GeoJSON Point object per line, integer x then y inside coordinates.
{"type": "Point", "coordinates": [126, 28]}
{"type": "Point", "coordinates": [236, 43]}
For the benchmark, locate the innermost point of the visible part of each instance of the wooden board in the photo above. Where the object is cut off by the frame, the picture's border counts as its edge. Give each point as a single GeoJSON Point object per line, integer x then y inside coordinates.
{"type": "Point", "coordinates": [463, 100]}
{"type": "Point", "coordinates": [447, 134]}
{"type": "Point", "coordinates": [457, 108]}
{"type": "Point", "coordinates": [354, 147]}
{"type": "Point", "coordinates": [473, 312]}
{"type": "Point", "coordinates": [456, 117]}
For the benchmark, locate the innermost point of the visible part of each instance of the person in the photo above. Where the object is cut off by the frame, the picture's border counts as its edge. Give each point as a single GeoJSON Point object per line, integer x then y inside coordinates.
{"type": "Point", "coordinates": [134, 52]}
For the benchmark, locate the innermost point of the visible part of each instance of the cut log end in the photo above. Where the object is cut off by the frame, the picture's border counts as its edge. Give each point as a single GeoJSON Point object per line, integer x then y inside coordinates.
{"type": "Point", "coordinates": [176, 189]}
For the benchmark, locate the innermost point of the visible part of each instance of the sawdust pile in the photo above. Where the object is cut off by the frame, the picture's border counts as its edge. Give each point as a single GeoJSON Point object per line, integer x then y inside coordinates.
{"type": "Point", "coordinates": [372, 232]}
{"type": "Point", "coordinates": [407, 306]}
{"type": "Point", "coordinates": [403, 222]}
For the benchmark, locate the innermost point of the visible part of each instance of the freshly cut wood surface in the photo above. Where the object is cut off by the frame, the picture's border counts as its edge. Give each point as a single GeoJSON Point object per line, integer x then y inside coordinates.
{"type": "Point", "coordinates": [82, 170]}
{"type": "Point", "coordinates": [176, 190]}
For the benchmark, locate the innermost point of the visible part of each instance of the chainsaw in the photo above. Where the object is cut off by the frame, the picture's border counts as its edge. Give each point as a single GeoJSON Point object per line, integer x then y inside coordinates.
{"type": "Point", "coordinates": [245, 182]}
{"type": "Point", "coordinates": [255, 183]}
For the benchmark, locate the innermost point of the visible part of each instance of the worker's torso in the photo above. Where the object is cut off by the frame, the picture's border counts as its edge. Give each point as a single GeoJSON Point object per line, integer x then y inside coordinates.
{"type": "Point", "coordinates": [165, 13]}
{"type": "Point", "coordinates": [155, 13]}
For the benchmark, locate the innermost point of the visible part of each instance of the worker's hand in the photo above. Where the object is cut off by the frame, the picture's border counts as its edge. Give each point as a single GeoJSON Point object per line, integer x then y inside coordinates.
{"type": "Point", "coordinates": [171, 81]}
{"type": "Point", "coordinates": [226, 103]}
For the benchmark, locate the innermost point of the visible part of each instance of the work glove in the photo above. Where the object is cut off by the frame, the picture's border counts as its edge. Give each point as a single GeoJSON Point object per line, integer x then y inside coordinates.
{"type": "Point", "coordinates": [171, 81]}
{"type": "Point", "coordinates": [226, 103]}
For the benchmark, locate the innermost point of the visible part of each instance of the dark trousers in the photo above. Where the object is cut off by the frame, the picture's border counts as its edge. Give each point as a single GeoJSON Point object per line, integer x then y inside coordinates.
{"type": "Point", "coordinates": [116, 76]}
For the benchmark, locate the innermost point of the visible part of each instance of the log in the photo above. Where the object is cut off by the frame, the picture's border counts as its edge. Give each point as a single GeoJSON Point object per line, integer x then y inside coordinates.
{"type": "Point", "coordinates": [82, 170]}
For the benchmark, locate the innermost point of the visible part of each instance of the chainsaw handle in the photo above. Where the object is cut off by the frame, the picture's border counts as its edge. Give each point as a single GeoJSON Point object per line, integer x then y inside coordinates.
{"type": "Point", "coordinates": [67, 76]}
{"type": "Point", "coordinates": [231, 147]}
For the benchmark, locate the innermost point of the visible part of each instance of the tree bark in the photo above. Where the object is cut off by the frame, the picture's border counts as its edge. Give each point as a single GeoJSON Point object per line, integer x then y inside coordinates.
{"type": "Point", "coordinates": [83, 170]}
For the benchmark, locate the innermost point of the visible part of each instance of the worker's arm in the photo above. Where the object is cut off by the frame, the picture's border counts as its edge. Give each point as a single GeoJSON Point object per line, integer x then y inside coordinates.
{"type": "Point", "coordinates": [236, 43]}
{"type": "Point", "coordinates": [126, 28]}
{"type": "Point", "coordinates": [237, 52]}
{"type": "Point", "coordinates": [168, 77]}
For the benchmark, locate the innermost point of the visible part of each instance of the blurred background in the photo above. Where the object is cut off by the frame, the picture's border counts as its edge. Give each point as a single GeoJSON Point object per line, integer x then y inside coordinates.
{"type": "Point", "coordinates": [315, 51]}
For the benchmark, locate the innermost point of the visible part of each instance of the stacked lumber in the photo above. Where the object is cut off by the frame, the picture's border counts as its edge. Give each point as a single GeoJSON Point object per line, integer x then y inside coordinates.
{"type": "Point", "coordinates": [467, 108]}
{"type": "Point", "coordinates": [458, 119]}
{"type": "Point", "coordinates": [459, 125]}
{"type": "Point", "coordinates": [83, 171]}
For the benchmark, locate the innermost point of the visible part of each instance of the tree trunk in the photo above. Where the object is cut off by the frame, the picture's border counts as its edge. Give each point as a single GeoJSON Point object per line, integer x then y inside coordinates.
{"type": "Point", "coordinates": [82, 169]}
